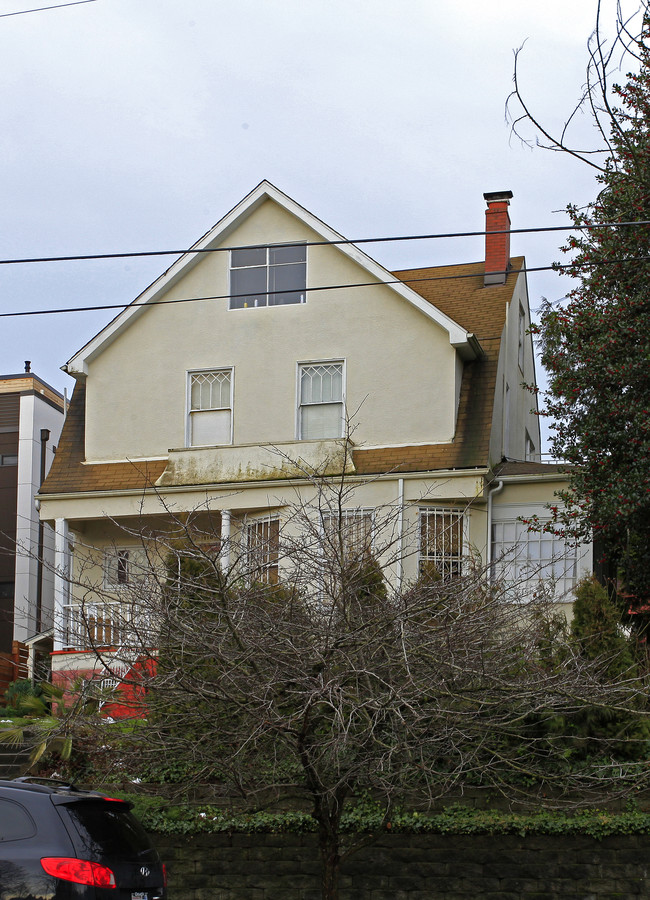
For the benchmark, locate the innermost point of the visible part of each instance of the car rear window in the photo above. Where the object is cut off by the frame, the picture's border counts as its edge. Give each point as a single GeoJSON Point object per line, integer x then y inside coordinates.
{"type": "Point", "coordinates": [107, 828]}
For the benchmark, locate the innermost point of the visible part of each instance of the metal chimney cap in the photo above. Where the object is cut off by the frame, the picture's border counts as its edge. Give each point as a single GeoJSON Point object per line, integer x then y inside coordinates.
{"type": "Point", "coordinates": [497, 195]}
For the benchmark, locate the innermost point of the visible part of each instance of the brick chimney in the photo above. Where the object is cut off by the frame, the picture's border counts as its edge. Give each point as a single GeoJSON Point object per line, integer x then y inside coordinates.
{"type": "Point", "coordinates": [497, 246]}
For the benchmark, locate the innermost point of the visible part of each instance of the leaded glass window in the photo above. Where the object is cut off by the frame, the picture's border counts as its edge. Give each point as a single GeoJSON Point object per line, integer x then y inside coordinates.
{"type": "Point", "coordinates": [321, 401]}
{"type": "Point", "coordinates": [210, 415]}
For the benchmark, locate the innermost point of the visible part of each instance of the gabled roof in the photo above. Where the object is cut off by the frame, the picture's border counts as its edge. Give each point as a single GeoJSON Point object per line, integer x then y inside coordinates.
{"type": "Point", "coordinates": [459, 336]}
{"type": "Point", "coordinates": [69, 474]}
{"type": "Point", "coordinates": [459, 292]}
{"type": "Point", "coordinates": [480, 309]}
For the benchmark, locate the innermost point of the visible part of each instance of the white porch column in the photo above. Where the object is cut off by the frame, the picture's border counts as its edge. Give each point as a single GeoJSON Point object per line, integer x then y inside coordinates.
{"type": "Point", "coordinates": [224, 556]}
{"type": "Point", "coordinates": [61, 578]}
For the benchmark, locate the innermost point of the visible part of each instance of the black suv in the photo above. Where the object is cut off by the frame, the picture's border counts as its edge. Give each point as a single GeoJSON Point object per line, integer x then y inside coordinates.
{"type": "Point", "coordinates": [61, 843]}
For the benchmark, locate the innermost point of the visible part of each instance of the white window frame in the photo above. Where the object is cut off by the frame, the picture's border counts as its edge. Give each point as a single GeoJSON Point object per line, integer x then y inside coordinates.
{"type": "Point", "coordinates": [348, 519]}
{"type": "Point", "coordinates": [220, 370]}
{"type": "Point", "coordinates": [274, 297]}
{"type": "Point", "coordinates": [530, 454]}
{"type": "Point", "coordinates": [513, 561]}
{"type": "Point", "coordinates": [269, 567]}
{"type": "Point", "coordinates": [299, 404]}
{"type": "Point", "coordinates": [124, 556]}
{"type": "Point", "coordinates": [448, 565]}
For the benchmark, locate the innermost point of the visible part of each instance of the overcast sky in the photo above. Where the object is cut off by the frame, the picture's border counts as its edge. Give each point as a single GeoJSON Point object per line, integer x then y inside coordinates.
{"type": "Point", "coordinates": [137, 124]}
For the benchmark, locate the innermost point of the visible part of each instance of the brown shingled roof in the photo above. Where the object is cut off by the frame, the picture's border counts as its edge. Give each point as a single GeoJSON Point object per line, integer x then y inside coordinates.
{"type": "Point", "coordinates": [68, 474]}
{"type": "Point", "coordinates": [458, 291]}
{"type": "Point", "coordinates": [528, 467]}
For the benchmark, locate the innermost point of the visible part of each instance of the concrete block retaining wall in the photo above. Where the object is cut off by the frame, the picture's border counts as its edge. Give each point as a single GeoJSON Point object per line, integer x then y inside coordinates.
{"type": "Point", "coordinates": [410, 867]}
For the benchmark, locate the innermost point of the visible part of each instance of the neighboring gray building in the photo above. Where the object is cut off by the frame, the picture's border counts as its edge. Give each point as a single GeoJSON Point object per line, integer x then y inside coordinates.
{"type": "Point", "coordinates": [31, 418]}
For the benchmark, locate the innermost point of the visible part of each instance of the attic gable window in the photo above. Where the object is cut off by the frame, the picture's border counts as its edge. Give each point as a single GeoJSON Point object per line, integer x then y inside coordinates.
{"type": "Point", "coordinates": [268, 276]}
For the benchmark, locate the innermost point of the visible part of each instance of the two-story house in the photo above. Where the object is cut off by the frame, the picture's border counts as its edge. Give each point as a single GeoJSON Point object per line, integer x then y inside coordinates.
{"type": "Point", "coordinates": [31, 418]}
{"type": "Point", "coordinates": [245, 365]}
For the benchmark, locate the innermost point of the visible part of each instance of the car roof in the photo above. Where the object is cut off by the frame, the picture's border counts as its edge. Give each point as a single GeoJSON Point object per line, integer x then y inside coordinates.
{"type": "Point", "coordinates": [45, 786]}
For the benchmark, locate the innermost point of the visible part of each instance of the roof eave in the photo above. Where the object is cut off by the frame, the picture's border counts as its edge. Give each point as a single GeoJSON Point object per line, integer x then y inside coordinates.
{"type": "Point", "coordinates": [458, 336]}
{"type": "Point", "coordinates": [470, 348]}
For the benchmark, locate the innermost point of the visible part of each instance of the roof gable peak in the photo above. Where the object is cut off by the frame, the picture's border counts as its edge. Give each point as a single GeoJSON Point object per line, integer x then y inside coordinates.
{"type": "Point", "coordinates": [459, 338]}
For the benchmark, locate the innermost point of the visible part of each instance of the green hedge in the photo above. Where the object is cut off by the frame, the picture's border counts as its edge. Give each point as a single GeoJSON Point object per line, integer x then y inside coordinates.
{"type": "Point", "coordinates": [158, 815]}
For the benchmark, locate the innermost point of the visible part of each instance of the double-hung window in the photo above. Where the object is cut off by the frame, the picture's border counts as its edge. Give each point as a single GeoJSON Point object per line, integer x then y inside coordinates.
{"type": "Point", "coordinates": [210, 408]}
{"type": "Point", "coordinates": [124, 567]}
{"type": "Point", "coordinates": [268, 276]}
{"type": "Point", "coordinates": [261, 540]}
{"type": "Point", "coordinates": [442, 541]}
{"type": "Point", "coordinates": [320, 403]}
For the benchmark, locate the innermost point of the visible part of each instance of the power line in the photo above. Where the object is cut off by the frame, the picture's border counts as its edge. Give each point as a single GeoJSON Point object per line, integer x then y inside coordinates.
{"type": "Point", "coordinates": [307, 290]}
{"type": "Point", "coordinates": [22, 12]}
{"type": "Point", "coordinates": [340, 241]}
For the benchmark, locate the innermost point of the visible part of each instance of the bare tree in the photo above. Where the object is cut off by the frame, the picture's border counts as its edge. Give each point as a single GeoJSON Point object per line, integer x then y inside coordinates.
{"type": "Point", "coordinates": [605, 58]}
{"type": "Point", "coordinates": [294, 664]}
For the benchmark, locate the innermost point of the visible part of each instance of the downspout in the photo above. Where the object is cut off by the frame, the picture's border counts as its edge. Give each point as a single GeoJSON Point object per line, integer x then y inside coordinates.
{"type": "Point", "coordinates": [505, 399]}
{"type": "Point", "coordinates": [400, 532]}
{"type": "Point", "coordinates": [224, 555]}
{"type": "Point", "coordinates": [45, 436]}
{"type": "Point", "coordinates": [491, 493]}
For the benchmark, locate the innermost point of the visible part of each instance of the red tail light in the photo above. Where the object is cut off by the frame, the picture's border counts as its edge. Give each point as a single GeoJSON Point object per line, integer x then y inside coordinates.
{"type": "Point", "coordinates": [79, 870]}
{"type": "Point", "coordinates": [164, 875]}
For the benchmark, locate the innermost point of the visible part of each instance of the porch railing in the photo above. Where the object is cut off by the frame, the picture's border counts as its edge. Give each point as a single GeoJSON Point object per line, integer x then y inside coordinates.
{"type": "Point", "coordinates": [90, 625]}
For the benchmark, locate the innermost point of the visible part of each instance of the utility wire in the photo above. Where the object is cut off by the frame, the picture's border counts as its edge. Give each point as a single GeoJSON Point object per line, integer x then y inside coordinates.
{"type": "Point", "coordinates": [22, 12]}
{"type": "Point", "coordinates": [307, 290]}
{"type": "Point", "coordinates": [370, 240]}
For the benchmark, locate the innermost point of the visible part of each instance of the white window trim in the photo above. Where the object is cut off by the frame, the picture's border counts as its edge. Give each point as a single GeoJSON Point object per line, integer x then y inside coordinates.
{"type": "Point", "coordinates": [322, 362]}
{"type": "Point", "coordinates": [267, 247]}
{"type": "Point", "coordinates": [250, 521]}
{"type": "Point", "coordinates": [577, 553]}
{"type": "Point", "coordinates": [457, 511]}
{"type": "Point", "coordinates": [351, 513]}
{"type": "Point", "coordinates": [530, 451]}
{"type": "Point", "coordinates": [188, 403]}
{"type": "Point", "coordinates": [112, 553]}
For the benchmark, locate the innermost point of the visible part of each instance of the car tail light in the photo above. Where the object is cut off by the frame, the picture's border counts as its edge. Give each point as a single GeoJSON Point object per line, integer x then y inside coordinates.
{"type": "Point", "coordinates": [80, 871]}
{"type": "Point", "coordinates": [164, 875]}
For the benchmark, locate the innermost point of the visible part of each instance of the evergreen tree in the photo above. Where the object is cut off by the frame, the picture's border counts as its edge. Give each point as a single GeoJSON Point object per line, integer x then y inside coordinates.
{"type": "Point", "coordinates": [596, 349]}
{"type": "Point", "coordinates": [597, 628]}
